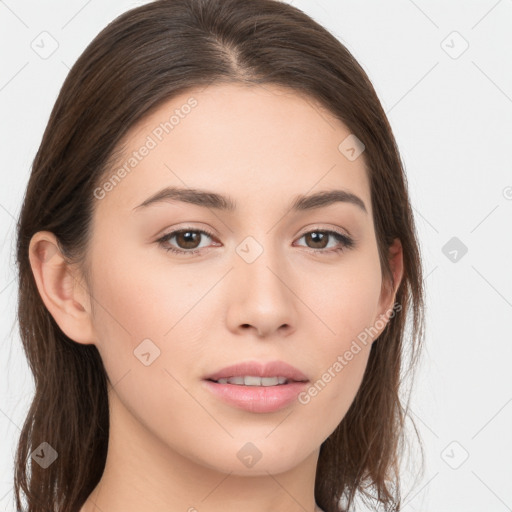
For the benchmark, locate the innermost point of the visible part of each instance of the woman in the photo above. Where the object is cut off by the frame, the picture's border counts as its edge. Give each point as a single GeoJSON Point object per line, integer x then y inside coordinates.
{"type": "Point", "coordinates": [217, 256]}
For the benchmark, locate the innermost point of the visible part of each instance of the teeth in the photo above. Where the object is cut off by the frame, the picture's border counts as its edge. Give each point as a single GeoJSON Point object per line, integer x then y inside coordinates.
{"type": "Point", "coordinates": [254, 381]}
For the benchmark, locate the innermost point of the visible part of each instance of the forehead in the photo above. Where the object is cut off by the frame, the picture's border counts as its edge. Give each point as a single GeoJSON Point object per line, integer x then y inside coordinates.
{"type": "Point", "coordinates": [258, 141]}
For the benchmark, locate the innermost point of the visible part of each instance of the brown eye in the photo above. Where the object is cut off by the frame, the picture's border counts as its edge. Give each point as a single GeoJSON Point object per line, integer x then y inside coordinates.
{"type": "Point", "coordinates": [319, 240]}
{"type": "Point", "coordinates": [187, 241]}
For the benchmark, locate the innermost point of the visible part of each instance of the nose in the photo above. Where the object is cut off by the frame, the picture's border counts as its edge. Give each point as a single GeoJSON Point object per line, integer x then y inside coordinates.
{"type": "Point", "coordinates": [260, 296]}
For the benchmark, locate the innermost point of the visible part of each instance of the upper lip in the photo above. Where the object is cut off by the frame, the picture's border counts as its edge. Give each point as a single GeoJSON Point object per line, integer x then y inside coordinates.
{"type": "Point", "coordinates": [259, 369]}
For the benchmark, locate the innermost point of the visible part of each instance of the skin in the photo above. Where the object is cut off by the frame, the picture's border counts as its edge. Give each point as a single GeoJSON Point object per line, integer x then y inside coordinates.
{"type": "Point", "coordinates": [173, 445]}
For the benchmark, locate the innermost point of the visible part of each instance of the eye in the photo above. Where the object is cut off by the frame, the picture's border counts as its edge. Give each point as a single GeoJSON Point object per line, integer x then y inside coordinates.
{"type": "Point", "coordinates": [320, 240]}
{"type": "Point", "coordinates": [187, 238]}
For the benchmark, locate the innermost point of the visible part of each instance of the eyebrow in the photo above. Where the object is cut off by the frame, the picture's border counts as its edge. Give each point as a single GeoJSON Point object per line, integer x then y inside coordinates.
{"type": "Point", "coordinates": [217, 201]}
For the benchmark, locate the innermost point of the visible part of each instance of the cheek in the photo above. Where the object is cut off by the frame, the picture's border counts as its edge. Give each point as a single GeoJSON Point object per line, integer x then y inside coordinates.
{"type": "Point", "coordinates": [144, 307]}
{"type": "Point", "coordinates": [144, 328]}
{"type": "Point", "coordinates": [135, 296]}
{"type": "Point", "coordinates": [344, 299]}
{"type": "Point", "coordinates": [127, 309]}
{"type": "Point", "coordinates": [348, 306]}
{"type": "Point", "coordinates": [342, 361]}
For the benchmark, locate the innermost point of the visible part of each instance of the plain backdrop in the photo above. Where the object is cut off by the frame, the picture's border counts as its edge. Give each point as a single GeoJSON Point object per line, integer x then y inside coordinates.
{"type": "Point", "coordinates": [443, 73]}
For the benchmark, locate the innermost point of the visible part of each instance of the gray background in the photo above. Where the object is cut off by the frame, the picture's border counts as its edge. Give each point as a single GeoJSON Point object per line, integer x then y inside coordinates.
{"type": "Point", "coordinates": [450, 108]}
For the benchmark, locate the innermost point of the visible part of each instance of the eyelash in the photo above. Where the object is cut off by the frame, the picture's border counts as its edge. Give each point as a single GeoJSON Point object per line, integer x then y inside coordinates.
{"type": "Point", "coordinates": [346, 242]}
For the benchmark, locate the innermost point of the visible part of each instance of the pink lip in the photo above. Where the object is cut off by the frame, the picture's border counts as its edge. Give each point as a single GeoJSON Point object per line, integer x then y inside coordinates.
{"type": "Point", "coordinates": [258, 399]}
{"type": "Point", "coordinates": [254, 368]}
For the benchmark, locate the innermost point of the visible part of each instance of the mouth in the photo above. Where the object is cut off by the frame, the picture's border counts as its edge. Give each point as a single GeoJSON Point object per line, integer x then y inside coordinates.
{"type": "Point", "coordinates": [253, 380]}
{"type": "Point", "coordinates": [255, 373]}
{"type": "Point", "coordinates": [257, 387]}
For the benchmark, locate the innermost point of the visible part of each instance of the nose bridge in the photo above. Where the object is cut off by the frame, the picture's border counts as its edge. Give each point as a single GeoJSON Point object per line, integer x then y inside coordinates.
{"type": "Point", "coordinates": [258, 263]}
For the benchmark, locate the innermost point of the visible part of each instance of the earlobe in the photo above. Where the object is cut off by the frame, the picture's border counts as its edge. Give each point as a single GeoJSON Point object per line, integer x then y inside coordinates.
{"type": "Point", "coordinates": [64, 296]}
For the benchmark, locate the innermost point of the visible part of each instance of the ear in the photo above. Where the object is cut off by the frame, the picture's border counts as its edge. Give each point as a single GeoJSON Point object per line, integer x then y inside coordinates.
{"type": "Point", "coordinates": [66, 298]}
{"type": "Point", "coordinates": [388, 289]}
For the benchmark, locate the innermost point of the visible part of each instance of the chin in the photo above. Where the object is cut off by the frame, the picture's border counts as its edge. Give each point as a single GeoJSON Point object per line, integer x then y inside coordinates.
{"type": "Point", "coordinates": [255, 459]}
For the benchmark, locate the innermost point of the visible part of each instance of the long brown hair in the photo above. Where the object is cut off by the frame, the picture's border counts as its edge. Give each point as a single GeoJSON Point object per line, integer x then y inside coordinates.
{"type": "Point", "coordinates": [145, 57]}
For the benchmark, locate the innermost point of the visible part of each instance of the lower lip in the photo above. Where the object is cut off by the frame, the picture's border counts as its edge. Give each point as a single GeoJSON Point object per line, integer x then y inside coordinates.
{"type": "Point", "coordinates": [257, 398]}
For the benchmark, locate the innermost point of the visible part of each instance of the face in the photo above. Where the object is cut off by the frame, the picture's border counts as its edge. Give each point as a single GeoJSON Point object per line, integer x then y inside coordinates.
{"type": "Point", "coordinates": [261, 281]}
